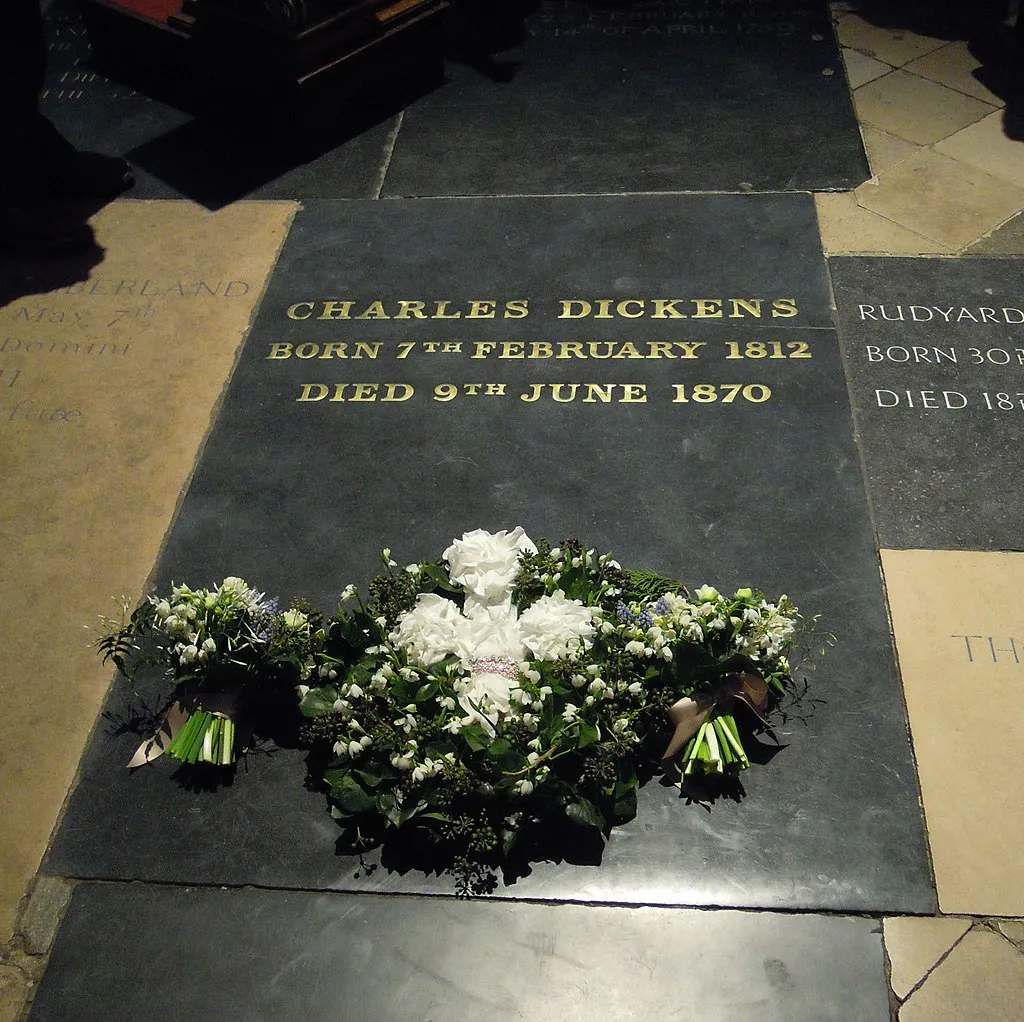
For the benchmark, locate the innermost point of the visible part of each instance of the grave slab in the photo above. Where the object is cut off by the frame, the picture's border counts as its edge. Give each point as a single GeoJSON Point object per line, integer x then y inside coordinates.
{"type": "Point", "coordinates": [726, 95]}
{"type": "Point", "coordinates": [214, 161]}
{"type": "Point", "coordinates": [295, 955]}
{"type": "Point", "coordinates": [656, 375]}
{"type": "Point", "coordinates": [956, 618]}
{"type": "Point", "coordinates": [108, 382]}
{"type": "Point", "coordinates": [935, 353]}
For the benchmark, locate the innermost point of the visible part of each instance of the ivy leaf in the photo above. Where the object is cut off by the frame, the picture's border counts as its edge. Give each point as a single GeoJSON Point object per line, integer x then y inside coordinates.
{"type": "Point", "coordinates": [439, 577]}
{"type": "Point", "coordinates": [387, 806]}
{"type": "Point", "coordinates": [475, 737]}
{"type": "Point", "coordinates": [319, 701]}
{"type": "Point", "coordinates": [371, 773]}
{"type": "Point", "coordinates": [350, 795]}
{"type": "Point", "coordinates": [588, 735]}
{"type": "Point", "coordinates": [585, 813]}
{"type": "Point", "coordinates": [425, 692]}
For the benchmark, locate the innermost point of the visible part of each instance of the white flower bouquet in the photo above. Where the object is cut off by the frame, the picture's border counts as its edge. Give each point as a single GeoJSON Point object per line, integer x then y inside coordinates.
{"type": "Point", "coordinates": [226, 649]}
{"type": "Point", "coordinates": [477, 698]}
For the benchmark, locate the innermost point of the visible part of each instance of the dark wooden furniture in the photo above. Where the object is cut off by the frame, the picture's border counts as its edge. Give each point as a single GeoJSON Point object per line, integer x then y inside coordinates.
{"type": "Point", "coordinates": [305, 59]}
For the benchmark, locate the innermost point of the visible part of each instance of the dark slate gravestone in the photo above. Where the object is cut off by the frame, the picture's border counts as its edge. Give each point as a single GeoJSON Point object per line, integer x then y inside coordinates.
{"type": "Point", "coordinates": [656, 375]}
{"type": "Point", "coordinates": [935, 353]}
{"type": "Point", "coordinates": [665, 95]}
{"type": "Point", "coordinates": [285, 956]}
{"type": "Point", "coordinates": [227, 157]}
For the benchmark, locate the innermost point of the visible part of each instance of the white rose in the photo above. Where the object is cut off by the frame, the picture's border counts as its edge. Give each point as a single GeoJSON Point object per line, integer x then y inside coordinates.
{"type": "Point", "coordinates": [553, 626]}
{"type": "Point", "coordinates": [489, 632]}
{"type": "Point", "coordinates": [428, 631]}
{"type": "Point", "coordinates": [486, 563]}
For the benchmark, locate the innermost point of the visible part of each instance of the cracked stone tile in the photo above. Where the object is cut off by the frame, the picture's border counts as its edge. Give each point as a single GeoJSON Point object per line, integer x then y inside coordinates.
{"type": "Point", "coordinates": [915, 943]}
{"type": "Point", "coordinates": [885, 150]}
{"type": "Point", "coordinates": [43, 913]}
{"type": "Point", "coordinates": [1013, 929]}
{"type": "Point", "coordinates": [861, 69]}
{"type": "Point", "coordinates": [982, 980]}
{"type": "Point", "coordinates": [1007, 239]}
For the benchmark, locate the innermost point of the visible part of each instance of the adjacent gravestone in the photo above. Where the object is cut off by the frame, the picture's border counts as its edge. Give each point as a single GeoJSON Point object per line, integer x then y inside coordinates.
{"type": "Point", "coordinates": [329, 957]}
{"type": "Point", "coordinates": [935, 352]}
{"type": "Point", "coordinates": [658, 376]}
{"type": "Point", "coordinates": [663, 95]}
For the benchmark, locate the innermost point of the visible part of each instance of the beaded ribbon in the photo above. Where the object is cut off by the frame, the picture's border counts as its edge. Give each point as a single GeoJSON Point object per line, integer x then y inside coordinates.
{"type": "Point", "coordinates": [503, 665]}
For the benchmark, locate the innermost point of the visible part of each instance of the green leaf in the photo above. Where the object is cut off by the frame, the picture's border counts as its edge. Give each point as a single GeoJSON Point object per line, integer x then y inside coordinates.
{"type": "Point", "coordinates": [475, 737]}
{"type": "Point", "coordinates": [387, 806]}
{"type": "Point", "coordinates": [318, 702]}
{"type": "Point", "coordinates": [585, 813]}
{"type": "Point", "coordinates": [425, 692]}
{"type": "Point", "coordinates": [439, 577]}
{"type": "Point", "coordinates": [372, 772]}
{"type": "Point", "coordinates": [588, 735]}
{"type": "Point", "coordinates": [350, 795]}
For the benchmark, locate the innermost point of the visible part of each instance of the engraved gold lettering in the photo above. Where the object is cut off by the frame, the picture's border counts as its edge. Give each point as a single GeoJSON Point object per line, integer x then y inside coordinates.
{"type": "Point", "coordinates": [707, 308]}
{"type": "Point", "coordinates": [517, 309]}
{"type": "Point", "coordinates": [482, 310]}
{"type": "Point", "coordinates": [569, 309]}
{"type": "Point", "coordinates": [375, 310]}
{"type": "Point", "coordinates": [332, 310]}
{"type": "Point", "coordinates": [751, 305]}
{"type": "Point", "coordinates": [411, 310]}
{"type": "Point", "coordinates": [784, 308]}
{"type": "Point", "coordinates": [623, 308]}
{"type": "Point", "coordinates": [441, 311]}
{"type": "Point", "coordinates": [665, 308]}
{"type": "Point", "coordinates": [293, 310]}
